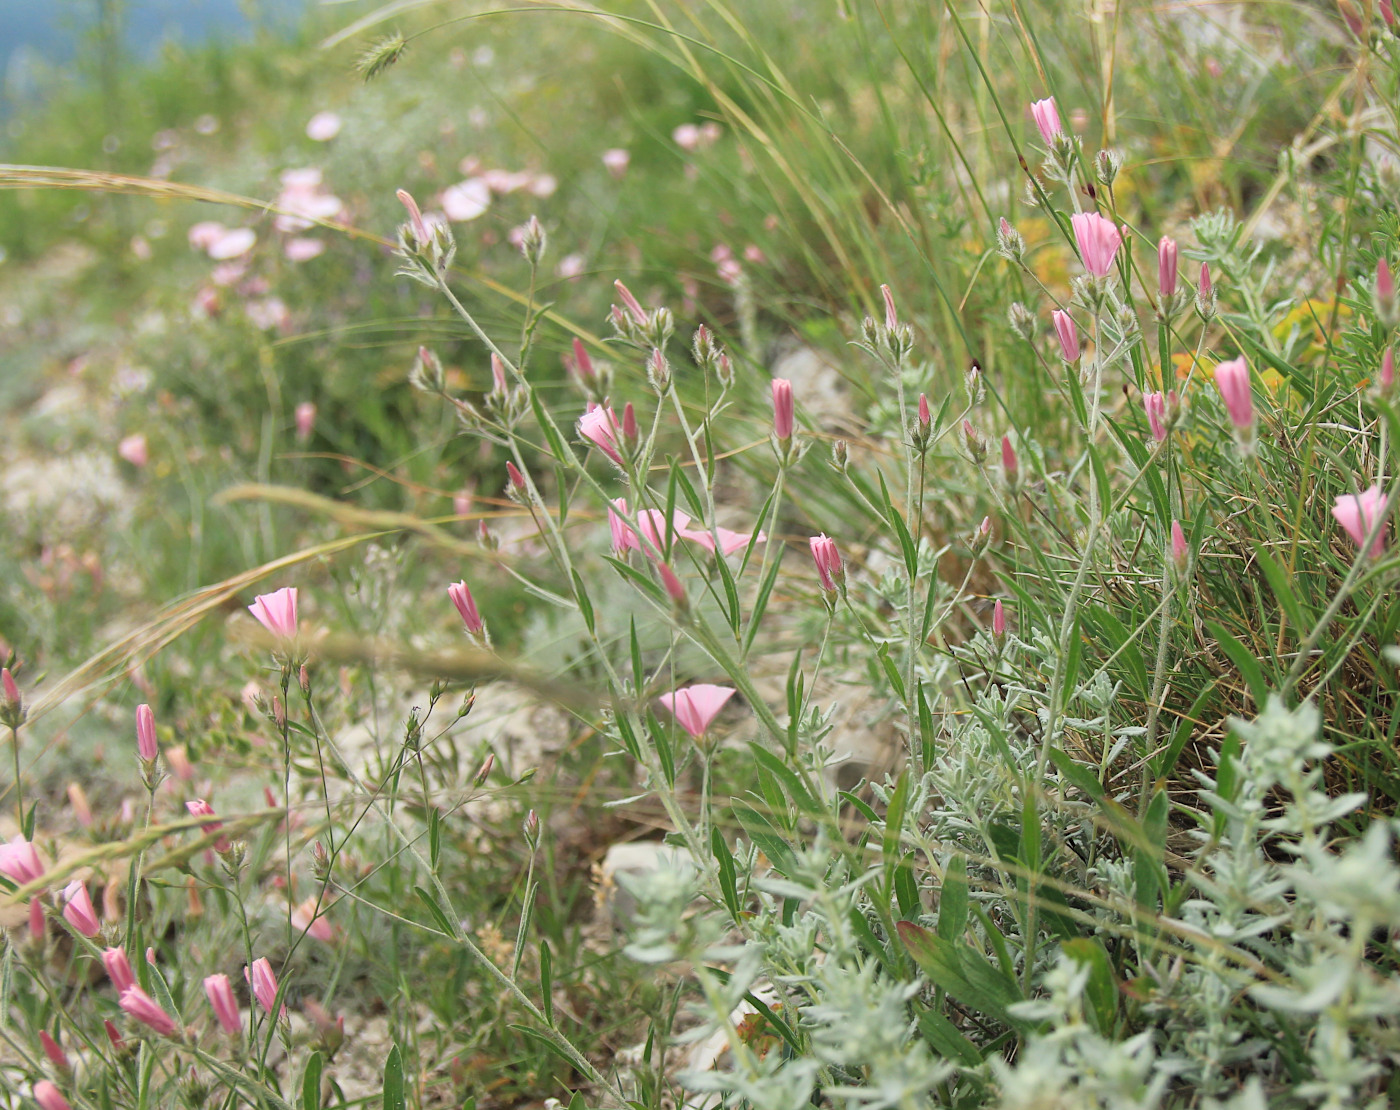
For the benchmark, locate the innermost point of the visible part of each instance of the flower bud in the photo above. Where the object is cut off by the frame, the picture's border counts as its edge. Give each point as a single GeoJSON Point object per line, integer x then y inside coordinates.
{"type": "Point", "coordinates": [658, 371]}
{"type": "Point", "coordinates": [533, 241]}
{"type": "Point", "coordinates": [1011, 244]}
{"type": "Point", "coordinates": [12, 710]}
{"type": "Point", "coordinates": [724, 371]}
{"type": "Point", "coordinates": [531, 828]}
{"type": "Point", "coordinates": [975, 444]}
{"type": "Point", "coordinates": [320, 862]}
{"type": "Point", "coordinates": [1166, 267]}
{"type": "Point", "coordinates": [427, 374]}
{"type": "Point", "coordinates": [998, 620]}
{"type": "Point", "coordinates": [1022, 320]}
{"type": "Point", "coordinates": [1107, 163]}
{"type": "Point", "coordinates": [484, 772]}
{"type": "Point", "coordinates": [1179, 552]}
{"type": "Point", "coordinates": [1009, 465]}
{"type": "Point", "coordinates": [1067, 334]}
{"type": "Point", "coordinates": [976, 388]}
{"type": "Point", "coordinates": [840, 455]}
{"type": "Point", "coordinates": [1205, 294]}
{"type": "Point", "coordinates": [1385, 294]}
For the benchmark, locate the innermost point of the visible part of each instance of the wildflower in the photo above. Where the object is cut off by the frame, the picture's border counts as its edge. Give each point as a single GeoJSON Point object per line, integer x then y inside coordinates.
{"type": "Point", "coordinates": [998, 620]}
{"type": "Point", "coordinates": [782, 409]}
{"type": "Point", "coordinates": [118, 968]}
{"type": "Point", "coordinates": [1166, 267]}
{"type": "Point", "coordinates": [1232, 379]}
{"type": "Point", "coordinates": [220, 993]}
{"type": "Point", "coordinates": [695, 707]}
{"type": "Point", "coordinates": [36, 921]}
{"type": "Point", "coordinates": [580, 364]}
{"type": "Point", "coordinates": [133, 449]}
{"type": "Point", "coordinates": [323, 127]}
{"type": "Point", "coordinates": [599, 426]}
{"type": "Point", "coordinates": [622, 536]}
{"type": "Point", "coordinates": [1098, 238]}
{"type": "Point", "coordinates": [277, 612]}
{"type": "Point", "coordinates": [1009, 465]}
{"type": "Point", "coordinates": [1067, 333]}
{"type": "Point", "coordinates": [1205, 294]}
{"type": "Point", "coordinates": [616, 160]}
{"type": "Point", "coordinates": [146, 1010]}
{"type": "Point", "coordinates": [672, 584]}
{"type": "Point", "coordinates": [415, 216]}
{"type": "Point", "coordinates": [56, 1055]}
{"type": "Point", "coordinates": [827, 558]}
{"type": "Point", "coordinates": [19, 860]}
{"type": "Point", "coordinates": [79, 911]}
{"type": "Point", "coordinates": [48, 1096]}
{"type": "Point", "coordinates": [466, 605]}
{"type": "Point", "coordinates": [200, 808]}
{"type": "Point", "coordinates": [1180, 553]}
{"type": "Point", "coordinates": [1047, 119]}
{"type": "Point", "coordinates": [146, 734]}
{"type": "Point", "coordinates": [1357, 514]}
{"type": "Point", "coordinates": [1011, 244]}
{"type": "Point", "coordinates": [263, 983]}
{"type": "Point", "coordinates": [973, 441]}
{"type": "Point", "coordinates": [515, 479]}
{"type": "Point", "coordinates": [306, 919]}
{"type": "Point", "coordinates": [305, 420]}
{"type": "Point", "coordinates": [1156, 406]}
{"type": "Point", "coordinates": [631, 304]}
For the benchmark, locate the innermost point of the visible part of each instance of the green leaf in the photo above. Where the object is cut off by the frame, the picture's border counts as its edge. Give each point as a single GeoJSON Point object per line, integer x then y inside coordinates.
{"type": "Point", "coordinates": [963, 972]}
{"type": "Point", "coordinates": [926, 730]}
{"type": "Point", "coordinates": [789, 778]}
{"type": "Point", "coordinates": [1101, 991]}
{"type": "Point", "coordinates": [768, 840]}
{"type": "Point", "coordinates": [760, 605]}
{"type": "Point", "coordinates": [638, 674]}
{"type": "Point", "coordinates": [1078, 775]}
{"type": "Point", "coordinates": [1285, 593]}
{"type": "Point", "coordinates": [311, 1083]}
{"type": "Point", "coordinates": [891, 670]}
{"type": "Point", "coordinates": [434, 837]}
{"type": "Point", "coordinates": [1241, 657]}
{"type": "Point", "coordinates": [906, 888]}
{"type": "Point", "coordinates": [906, 541]}
{"type": "Point", "coordinates": [441, 918]}
{"type": "Point", "coordinates": [393, 1080]}
{"type": "Point", "coordinates": [728, 875]}
{"type": "Point", "coordinates": [947, 1041]}
{"type": "Point", "coordinates": [1147, 857]}
{"type": "Point", "coordinates": [952, 900]}
{"type": "Point", "coordinates": [894, 820]}
{"type": "Point", "coordinates": [546, 982]}
{"type": "Point", "coordinates": [585, 606]}
{"type": "Point", "coordinates": [1030, 833]}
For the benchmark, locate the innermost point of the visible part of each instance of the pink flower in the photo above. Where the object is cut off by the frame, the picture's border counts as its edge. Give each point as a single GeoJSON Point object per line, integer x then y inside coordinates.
{"type": "Point", "coordinates": [302, 249]}
{"type": "Point", "coordinates": [264, 984]}
{"type": "Point", "coordinates": [515, 478]}
{"type": "Point", "coordinates": [1205, 286]}
{"type": "Point", "coordinates": [891, 316]}
{"type": "Point", "coordinates": [616, 161]}
{"type": "Point", "coordinates": [1047, 118]}
{"type": "Point", "coordinates": [305, 919]}
{"type": "Point", "coordinates": [1358, 512]}
{"type": "Point", "coordinates": [200, 808]}
{"type": "Point", "coordinates": [1166, 266]}
{"type": "Point", "coordinates": [1068, 334]}
{"type": "Point", "coordinates": [694, 707]}
{"type": "Point", "coordinates": [622, 536]}
{"type": "Point", "coordinates": [146, 1010]}
{"type": "Point", "coordinates": [118, 968]}
{"type": "Point", "coordinates": [19, 860]}
{"type": "Point", "coordinates": [134, 450]}
{"type": "Point", "coordinates": [729, 540]}
{"type": "Point", "coordinates": [305, 420]}
{"type": "Point", "coordinates": [687, 136]}
{"type": "Point", "coordinates": [599, 426]}
{"type": "Point", "coordinates": [10, 686]}
{"type": "Point", "coordinates": [466, 605]}
{"type": "Point", "coordinates": [998, 620]}
{"type": "Point", "coordinates": [1179, 551]}
{"type": "Point", "coordinates": [1232, 379]}
{"type": "Point", "coordinates": [672, 584]}
{"type": "Point", "coordinates": [1008, 459]}
{"type": "Point", "coordinates": [323, 127]}
{"type": "Point", "coordinates": [925, 417]}
{"type": "Point", "coordinates": [830, 572]}
{"type": "Point", "coordinates": [1156, 406]}
{"type": "Point", "coordinates": [782, 408]}
{"type": "Point", "coordinates": [277, 612]}
{"type": "Point", "coordinates": [146, 734]}
{"type": "Point", "coordinates": [581, 365]}
{"type": "Point", "coordinates": [232, 244]}
{"type": "Point", "coordinates": [629, 302]}
{"type": "Point", "coordinates": [1098, 239]}
{"type": "Point", "coordinates": [220, 992]}
{"type": "Point", "coordinates": [79, 911]}
{"type": "Point", "coordinates": [415, 215]}
{"type": "Point", "coordinates": [56, 1055]}
{"type": "Point", "coordinates": [46, 1094]}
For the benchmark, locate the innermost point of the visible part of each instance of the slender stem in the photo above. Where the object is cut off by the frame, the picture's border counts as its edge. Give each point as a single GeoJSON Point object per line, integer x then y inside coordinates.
{"type": "Point", "coordinates": [19, 784]}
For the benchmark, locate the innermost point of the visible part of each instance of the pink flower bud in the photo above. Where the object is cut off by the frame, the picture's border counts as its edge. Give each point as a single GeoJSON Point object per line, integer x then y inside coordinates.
{"type": "Point", "coordinates": [891, 316]}
{"type": "Point", "coordinates": [220, 993]}
{"type": "Point", "coordinates": [1388, 369]}
{"type": "Point", "coordinates": [1009, 464]}
{"type": "Point", "coordinates": [484, 772]}
{"type": "Point", "coordinates": [415, 215]}
{"type": "Point", "coordinates": [306, 919]}
{"type": "Point", "coordinates": [1232, 379]}
{"type": "Point", "coordinates": [1098, 239]}
{"type": "Point", "coordinates": [616, 160]}
{"type": "Point", "coordinates": [36, 921]}
{"type": "Point", "coordinates": [56, 1055]}
{"type": "Point", "coordinates": [146, 746]}
{"type": "Point", "coordinates": [630, 433]}
{"type": "Point", "coordinates": [622, 536]}
{"type": "Point", "coordinates": [78, 800]}
{"type": "Point", "coordinates": [263, 983]}
{"type": "Point", "coordinates": [1068, 335]}
{"type": "Point", "coordinates": [118, 968]}
{"type": "Point", "coordinates": [925, 417]}
{"type": "Point", "coordinates": [146, 1010]}
{"type": "Point", "coordinates": [462, 503]}
{"type": "Point", "coordinates": [200, 808]}
{"type": "Point", "coordinates": [466, 605]}
{"type": "Point", "coordinates": [1047, 119]}
{"type": "Point", "coordinates": [1205, 286]}
{"type": "Point", "coordinates": [631, 304]}
{"type": "Point", "coordinates": [582, 364]}
{"type": "Point", "coordinates": [79, 911]}
{"type": "Point", "coordinates": [1166, 266]}
{"type": "Point", "coordinates": [672, 583]}
{"type": "Point", "coordinates": [782, 408]}
{"type": "Point", "coordinates": [1388, 12]}
{"type": "Point", "coordinates": [1180, 553]}
{"type": "Point", "coordinates": [11, 688]}
{"type": "Point", "coordinates": [305, 420]}
{"type": "Point", "coordinates": [1156, 406]}
{"type": "Point", "coordinates": [695, 707]}
{"type": "Point", "coordinates": [45, 1093]}
{"type": "Point", "coordinates": [830, 571]}
{"type": "Point", "coordinates": [998, 620]}
{"type": "Point", "coordinates": [498, 373]}
{"type": "Point", "coordinates": [517, 480]}
{"type": "Point", "coordinates": [1357, 514]}
{"type": "Point", "coordinates": [1385, 290]}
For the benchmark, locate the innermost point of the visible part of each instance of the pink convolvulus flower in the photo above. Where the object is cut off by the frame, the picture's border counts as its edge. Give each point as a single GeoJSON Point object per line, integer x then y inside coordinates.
{"type": "Point", "coordinates": [1098, 238]}
{"type": "Point", "coordinates": [782, 408]}
{"type": "Point", "coordinates": [56, 1055]}
{"type": "Point", "coordinates": [79, 911]}
{"type": "Point", "coordinates": [1047, 119]}
{"type": "Point", "coordinates": [19, 860]}
{"type": "Point", "coordinates": [1166, 266]}
{"type": "Point", "coordinates": [600, 427]}
{"type": "Point", "coordinates": [118, 968]}
{"type": "Point", "coordinates": [198, 807]}
{"type": "Point", "coordinates": [828, 561]}
{"type": "Point", "coordinates": [146, 734]}
{"type": "Point", "coordinates": [134, 450]}
{"type": "Point", "coordinates": [1156, 406]}
{"type": "Point", "coordinates": [47, 1095]}
{"type": "Point", "coordinates": [147, 1010]}
{"type": "Point", "coordinates": [998, 620]}
{"type": "Point", "coordinates": [1067, 333]}
{"type": "Point", "coordinates": [277, 612]}
{"type": "Point", "coordinates": [306, 919]}
{"type": "Point", "coordinates": [1232, 379]}
{"type": "Point", "coordinates": [220, 993]}
{"type": "Point", "coordinates": [263, 983]}
{"type": "Point", "coordinates": [694, 707]}
{"type": "Point", "coordinates": [1357, 513]}
{"type": "Point", "coordinates": [466, 605]}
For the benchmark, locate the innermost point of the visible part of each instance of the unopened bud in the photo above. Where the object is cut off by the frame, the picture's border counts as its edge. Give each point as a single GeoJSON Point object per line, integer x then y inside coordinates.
{"type": "Point", "coordinates": [1011, 244]}
{"type": "Point", "coordinates": [840, 455]}
{"type": "Point", "coordinates": [427, 374]}
{"type": "Point", "coordinates": [1022, 320]}
{"type": "Point", "coordinates": [467, 703]}
{"type": "Point", "coordinates": [975, 444]}
{"type": "Point", "coordinates": [891, 316]}
{"type": "Point", "coordinates": [658, 371]}
{"type": "Point", "coordinates": [976, 389]}
{"type": "Point", "coordinates": [532, 828]}
{"type": "Point", "coordinates": [1009, 465]}
{"type": "Point", "coordinates": [704, 347]}
{"type": "Point", "coordinates": [486, 537]}
{"type": "Point", "coordinates": [304, 680]}
{"type": "Point", "coordinates": [998, 620]}
{"type": "Point", "coordinates": [279, 713]}
{"type": "Point", "coordinates": [533, 241]}
{"type": "Point", "coordinates": [12, 710]}
{"type": "Point", "coordinates": [515, 481]}
{"type": "Point", "coordinates": [484, 772]}
{"type": "Point", "coordinates": [724, 371]}
{"type": "Point", "coordinates": [1107, 163]}
{"type": "Point", "coordinates": [1205, 294]}
{"type": "Point", "coordinates": [320, 862]}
